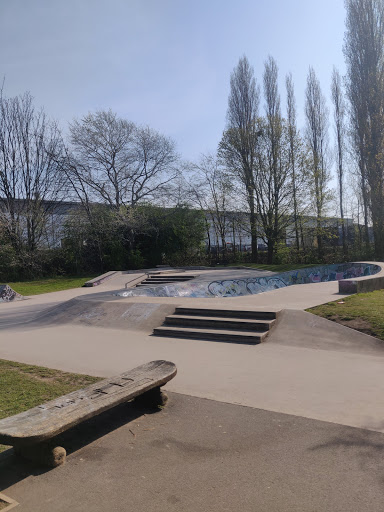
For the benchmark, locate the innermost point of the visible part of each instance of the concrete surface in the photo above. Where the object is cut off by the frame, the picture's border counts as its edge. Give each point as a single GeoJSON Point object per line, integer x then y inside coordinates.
{"type": "Point", "coordinates": [208, 456]}
{"type": "Point", "coordinates": [236, 284]}
{"type": "Point", "coordinates": [335, 386]}
{"type": "Point", "coordinates": [267, 427]}
{"type": "Point", "coordinates": [301, 329]}
{"type": "Point", "coordinates": [363, 284]}
{"type": "Point", "coordinates": [295, 297]}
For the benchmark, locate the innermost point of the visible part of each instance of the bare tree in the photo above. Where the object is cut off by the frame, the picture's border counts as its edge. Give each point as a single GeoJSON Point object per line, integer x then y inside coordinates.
{"type": "Point", "coordinates": [212, 189]}
{"type": "Point", "coordinates": [272, 172]}
{"type": "Point", "coordinates": [117, 163]}
{"type": "Point", "coordinates": [364, 53]}
{"type": "Point", "coordinates": [316, 113]}
{"type": "Point", "coordinates": [339, 120]}
{"type": "Point", "coordinates": [30, 178]}
{"type": "Point", "coordinates": [237, 148]}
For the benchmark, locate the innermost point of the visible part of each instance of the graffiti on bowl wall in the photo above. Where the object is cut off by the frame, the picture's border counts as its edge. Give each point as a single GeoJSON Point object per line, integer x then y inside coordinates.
{"type": "Point", "coordinates": [325, 273]}
{"type": "Point", "coordinates": [254, 285]}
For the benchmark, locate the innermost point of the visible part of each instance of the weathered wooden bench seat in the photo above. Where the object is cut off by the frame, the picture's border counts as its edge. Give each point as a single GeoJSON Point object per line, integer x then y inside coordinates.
{"type": "Point", "coordinates": [32, 432]}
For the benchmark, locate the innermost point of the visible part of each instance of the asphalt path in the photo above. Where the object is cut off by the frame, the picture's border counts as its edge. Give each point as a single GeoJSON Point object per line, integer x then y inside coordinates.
{"type": "Point", "coordinates": [202, 455]}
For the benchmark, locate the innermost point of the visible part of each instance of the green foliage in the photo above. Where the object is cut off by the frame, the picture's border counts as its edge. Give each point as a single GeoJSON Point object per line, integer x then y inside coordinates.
{"type": "Point", "coordinates": [172, 236]}
{"type": "Point", "coordinates": [7, 261]}
{"type": "Point", "coordinates": [134, 259]}
{"type": "Point", "coordinates": [30, 265]}
{"type": "Point", "coordinates": [133, 238]}
{"type": "Point", "coordinates": [283, 254]}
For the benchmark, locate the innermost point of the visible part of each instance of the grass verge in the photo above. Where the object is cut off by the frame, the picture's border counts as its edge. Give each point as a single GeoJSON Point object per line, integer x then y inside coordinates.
{"type": "Point", "coordinates": [363, 312]}
{"type": "Point", "coordinates": [24, 386]}
{"type": "Point", "coordinates": [54, 284]}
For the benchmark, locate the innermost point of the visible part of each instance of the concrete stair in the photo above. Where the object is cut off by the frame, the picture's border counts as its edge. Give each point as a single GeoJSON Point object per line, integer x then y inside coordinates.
{"type": "Point", "coordinates": [158, 280]}
{"type": "Point", "coordinates": [250, 327]}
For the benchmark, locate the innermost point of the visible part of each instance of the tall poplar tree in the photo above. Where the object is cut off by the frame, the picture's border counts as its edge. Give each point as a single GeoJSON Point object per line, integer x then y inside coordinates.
{"type": "Point", "coordinates": [364, 54]}
{"type": "Point", "coordinates": [316, 113]}
{"type": "Point", "coordinates": [339, 120]}
{"type": "Point", "coordinates": [237, 148]}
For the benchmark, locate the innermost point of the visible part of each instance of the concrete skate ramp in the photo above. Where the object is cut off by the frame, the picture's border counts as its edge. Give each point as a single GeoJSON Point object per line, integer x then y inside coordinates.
{"type": "Point", "coordinates": [8, 295]}
{"type": "Point", "coordinates": [301, 329]}
{"type": "Point", "coordinates": [142, 317]}
{"type": "Point", "coordinates": [201, 287]}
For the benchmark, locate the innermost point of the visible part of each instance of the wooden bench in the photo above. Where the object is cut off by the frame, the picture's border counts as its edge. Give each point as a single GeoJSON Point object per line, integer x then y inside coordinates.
{"type": "Point", "coordinates": [32, 432]}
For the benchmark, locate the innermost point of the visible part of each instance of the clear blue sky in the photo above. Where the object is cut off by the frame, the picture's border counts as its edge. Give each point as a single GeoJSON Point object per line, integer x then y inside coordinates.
{"type": "Point", "coordinates": [162, 63]}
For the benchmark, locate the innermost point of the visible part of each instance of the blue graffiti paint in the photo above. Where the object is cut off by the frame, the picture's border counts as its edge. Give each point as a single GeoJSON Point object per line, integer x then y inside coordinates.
{"type": "Point", "coordinates": [323, 274]}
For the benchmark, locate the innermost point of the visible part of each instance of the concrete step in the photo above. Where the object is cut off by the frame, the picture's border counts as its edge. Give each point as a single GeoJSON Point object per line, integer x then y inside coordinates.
{"type": "Point", "coordinates": [252, 338]}
{"type": "Point", "coordinates": [151, 284]}
{"type": "Point", "coordinates": [203, 322]}
{"type": "Point", "coordinates": [160, 280]}
{"type": "Point", "coordinates": [168, 278]}
{"type": "Point", "coordinates": [227, 313]}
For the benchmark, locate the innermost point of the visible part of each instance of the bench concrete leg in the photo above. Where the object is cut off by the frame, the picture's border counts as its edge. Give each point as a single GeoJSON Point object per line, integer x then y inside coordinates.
{"type": "Point", "coordinates": [152, 398]}
{"type": "Point", "coordinates": [43, 453]}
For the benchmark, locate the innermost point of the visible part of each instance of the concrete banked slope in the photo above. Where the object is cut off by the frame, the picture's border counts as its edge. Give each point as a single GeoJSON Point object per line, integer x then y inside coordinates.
{"type": "Point", "coordinates": [204, 287]}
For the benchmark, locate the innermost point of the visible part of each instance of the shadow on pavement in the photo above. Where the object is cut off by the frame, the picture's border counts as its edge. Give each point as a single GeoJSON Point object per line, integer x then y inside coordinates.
{"type": "Point", "coordinates": [13, 469]}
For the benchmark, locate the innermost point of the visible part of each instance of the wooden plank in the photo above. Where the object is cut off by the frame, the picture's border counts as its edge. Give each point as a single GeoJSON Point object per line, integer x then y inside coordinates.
{"type": "Point", "coordinates": [50, 419]}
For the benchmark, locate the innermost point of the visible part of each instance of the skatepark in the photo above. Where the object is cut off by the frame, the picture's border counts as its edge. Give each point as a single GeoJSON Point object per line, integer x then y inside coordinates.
{"type": "Point", "coordinates": [292, 423]}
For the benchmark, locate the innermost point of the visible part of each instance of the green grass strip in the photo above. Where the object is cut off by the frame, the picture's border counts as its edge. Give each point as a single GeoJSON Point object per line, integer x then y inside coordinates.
{"type": "Point", "coordinates": [366, 307]}
{"type": "Point", "coordinates": [25, 386]}
{"type": "Point", "coordinates": [54, 284]}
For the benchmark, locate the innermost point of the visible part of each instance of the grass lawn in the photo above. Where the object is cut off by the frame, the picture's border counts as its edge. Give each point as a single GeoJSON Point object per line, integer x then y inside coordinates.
{"type": "Point", "coordinates": [24, 386]}
{"type": "Point", "coordinates": [277, 268]}
{"type": "Point", "coordinates": [53, 284]}
{"type": "Point", "coordinates": [363, 312]}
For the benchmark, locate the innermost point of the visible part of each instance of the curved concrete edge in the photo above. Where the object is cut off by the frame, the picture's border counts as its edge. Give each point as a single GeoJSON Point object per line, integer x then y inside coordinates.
{"type": "Point", "coordinates": [100, 279]}
{"type": "Point", "coordinates": [302, 329]}
{"type": "Point", "coordinates": [364, 284]}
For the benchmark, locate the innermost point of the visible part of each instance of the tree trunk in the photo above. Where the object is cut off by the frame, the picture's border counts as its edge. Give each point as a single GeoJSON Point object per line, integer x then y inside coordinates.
{"type": "Point", "coordinates": [365, 208]}
{"type": "Point", "coordinates": [377, 222]}
{"type": "Point", "coordinates": [319, 240]}
{"type": "Point", "coordinates": [253, 220]}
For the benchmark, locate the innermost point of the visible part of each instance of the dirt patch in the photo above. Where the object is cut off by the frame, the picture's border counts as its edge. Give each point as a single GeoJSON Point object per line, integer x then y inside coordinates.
{"type": "Point", "coordinates": [6, 503]}
{"type": "Point", "coordinates": [3, 504]}
{"type": "Point", "coordinates": [355, 323]}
